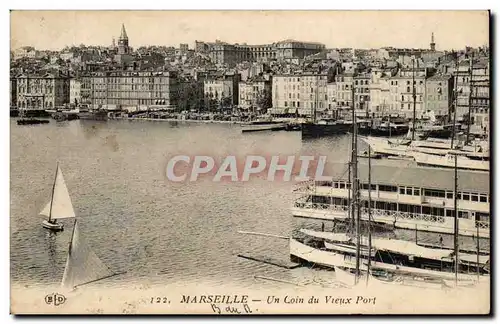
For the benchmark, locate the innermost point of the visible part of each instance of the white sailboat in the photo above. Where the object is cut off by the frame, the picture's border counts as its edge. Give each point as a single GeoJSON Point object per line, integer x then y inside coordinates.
{"type": "Point", "coordinates": [59, 206]}
{"type": "Point", "coordinates": [83, 266]}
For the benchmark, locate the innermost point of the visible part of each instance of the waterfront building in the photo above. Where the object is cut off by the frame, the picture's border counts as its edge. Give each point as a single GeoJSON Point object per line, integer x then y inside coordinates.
{"type": "Point", "coordinates": [255, 93]}
{"type": "Point", "coordinates": [362, 94]}
{"type": "Point", "coordinates": [221, 91]}
{"type": "Point", "coordinates": [403, 84]}
{"type": "Point", "coordinates": [301, 93]}
{"type": "Point", "coordinates": [75, 96]}
{"type": "Point", "coordinates": [42, 91]}
{"type": "Point", "coordinates": [133, 89]}
{"type": "Point", "coordinates": [345, 83]}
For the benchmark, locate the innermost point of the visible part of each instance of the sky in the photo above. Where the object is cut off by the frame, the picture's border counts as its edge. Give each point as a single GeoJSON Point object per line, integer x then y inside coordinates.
{"type": "Point", "coordinates": [54, 30]}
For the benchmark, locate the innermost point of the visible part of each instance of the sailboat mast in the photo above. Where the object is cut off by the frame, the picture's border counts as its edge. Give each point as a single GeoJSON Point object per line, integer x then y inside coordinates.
{"type": "Point", "coordinates": [455, 236]}
{"type": "Point", "coordinates": [470, 97]}
{"type": "Point", "coordinates": [369, 211]}
{"type": "Point", "coordinates": [53, 190]}
{"type": "Point", "coordinates": [351, 166]}
{"type": "Point", "coordinates": [355, 203]}
{"type": "Point", "coordinates": [455, 100]}
{"type": "Point", "coordinates": [477, 261]}
{"type": "Point", "coordinates": [414, 101]}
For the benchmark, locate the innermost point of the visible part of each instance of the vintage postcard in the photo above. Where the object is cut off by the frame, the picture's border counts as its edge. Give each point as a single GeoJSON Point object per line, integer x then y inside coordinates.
{"type": "Point", "coordinates": [250, 162]}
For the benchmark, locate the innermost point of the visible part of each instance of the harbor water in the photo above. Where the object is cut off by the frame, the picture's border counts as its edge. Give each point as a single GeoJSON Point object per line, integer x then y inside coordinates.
{"type": "Point", "coordinates": [139, 222]}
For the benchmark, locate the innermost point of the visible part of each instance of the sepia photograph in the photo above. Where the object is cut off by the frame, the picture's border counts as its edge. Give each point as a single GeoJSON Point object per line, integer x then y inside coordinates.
{"type": "Point", "coordinates": [250, 162]}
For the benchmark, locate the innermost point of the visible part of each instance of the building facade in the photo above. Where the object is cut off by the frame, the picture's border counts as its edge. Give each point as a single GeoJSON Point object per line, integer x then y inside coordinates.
{"type": "Point", "coordinates": [480, 97]}
{"type": "Point", "coordinates": [75, 87]}
{"type": "Point", "coordinates": [255, 94]}
{"type": "Point", "coordinates": [303, 93]}
{"type": "Point", "coordinates": [231, 54]}
{"type": "Point", "coordinates": [38, 92]}
{"type": "Point", "coordinates": [127, 89]}
{"type": "Point", "coordinates": [439, 94]}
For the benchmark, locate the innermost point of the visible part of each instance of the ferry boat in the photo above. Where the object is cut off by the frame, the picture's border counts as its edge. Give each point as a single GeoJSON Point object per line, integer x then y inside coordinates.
{"type": "Point", "coordinates": [419, 198]}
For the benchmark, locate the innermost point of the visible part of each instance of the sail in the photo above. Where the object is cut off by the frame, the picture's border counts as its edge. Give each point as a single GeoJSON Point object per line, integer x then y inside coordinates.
{"type": "Point", "coordinates": [61, 202]}
{"type": "Point", "coordinates": [82, 265]}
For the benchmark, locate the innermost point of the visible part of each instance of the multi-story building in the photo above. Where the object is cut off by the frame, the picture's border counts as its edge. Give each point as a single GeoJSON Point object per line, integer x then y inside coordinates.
{"type": "Point", "coordinates": [39, 92]}
{"type": "Point", "coordinates": [480, 97]}
{"type": "Point", "coordinates": [362, 93]}
{"type": "Point", "coordinates": [382, 99]}
{"type": "Point", "coordinates": [345, 84]}
{"type": "Point", "coordinates": [221, 91]}
{"type": "Point", "coordinates": [231, 54]}
{"type": "Point", "coordinates": [86, 90]}
{"type": "Point", "coordinates": [75, 87]}
{"type": "Point", "coordinates": [403, 85]}
{"type": "Point", "coordinates": [125, 89]}
{"type": "Point", "coordinates": [304, 93]}
{"type": "Point", "coordinates": [439, 94]}
{"type": "Point", "coordinates": [255, 93]}
{"type": "Point", "coordinates": [331, 89]}
{"type": "Point", "coordinates": [462, 76]}
{"type": "Point", "coordinates": [289, 49]}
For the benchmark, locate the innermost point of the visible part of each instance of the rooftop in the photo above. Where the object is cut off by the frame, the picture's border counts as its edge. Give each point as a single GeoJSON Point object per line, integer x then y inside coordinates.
{"type": "Point", "coordinates": [422, 177]}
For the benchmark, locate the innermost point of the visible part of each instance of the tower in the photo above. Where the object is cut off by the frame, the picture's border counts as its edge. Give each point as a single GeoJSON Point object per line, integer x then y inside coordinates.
{"type": "Point", "coordinates": [433, 45]}
{"type": "Point", "coordinates": [123, 42]}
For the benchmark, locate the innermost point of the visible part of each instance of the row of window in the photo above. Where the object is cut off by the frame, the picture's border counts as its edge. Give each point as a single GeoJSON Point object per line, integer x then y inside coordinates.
{"type": "Point", "coordinates": [468, 196]}
{"type": "Point", "coordinates": [405, 208]}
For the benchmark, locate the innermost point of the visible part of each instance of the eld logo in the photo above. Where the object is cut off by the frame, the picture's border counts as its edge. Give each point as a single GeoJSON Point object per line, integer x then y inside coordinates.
{"type": "Point", "coordinates": [55, 299]}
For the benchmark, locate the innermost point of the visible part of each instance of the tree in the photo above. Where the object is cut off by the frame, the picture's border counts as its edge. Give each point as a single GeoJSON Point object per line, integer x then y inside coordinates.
{"type": "Point", "coordinates": [264, 100]}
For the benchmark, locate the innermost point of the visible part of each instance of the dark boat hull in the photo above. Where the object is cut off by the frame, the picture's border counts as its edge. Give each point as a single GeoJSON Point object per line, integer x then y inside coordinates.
{"type": "Point", "coordinates": [440, 133]}
{"type": "Point", "coordinates": [310, 130]}
{"type": "Point", "coordinates": [32, 121]}
{"type": "Point", "coordinates": [93, 115]}
{"type": "Point", "coordinates": [383, 132]}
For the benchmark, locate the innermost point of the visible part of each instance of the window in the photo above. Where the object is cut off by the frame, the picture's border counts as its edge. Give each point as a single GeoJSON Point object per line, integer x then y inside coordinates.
{"type": "Point", "coordinates": [474, 197]}
{"type": "Point", "coordinates": [341, 185]}
{"type": "Point", "coordinates": [449, 194]}
{"type": "Point", "coordinates": [465, 196]}
{"type": "Point", "coordinates": [388, 188]}
{"type": "Point", "coordinates": [416, 192]}
{"type": "Point", "coordinates": [434, 193]}
{"type": "Point", "coordinates": [409, 191]}
{"type": "Point", "coordinates": [463, 214]}
{"type": "Point", "coordinates": [402, 191]}
{"type": "Point", "coordinates": [482, 198]}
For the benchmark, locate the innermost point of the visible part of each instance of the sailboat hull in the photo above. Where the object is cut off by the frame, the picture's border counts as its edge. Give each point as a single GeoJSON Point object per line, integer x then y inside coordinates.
{"type": "Point", "coordinates": [52, 226]}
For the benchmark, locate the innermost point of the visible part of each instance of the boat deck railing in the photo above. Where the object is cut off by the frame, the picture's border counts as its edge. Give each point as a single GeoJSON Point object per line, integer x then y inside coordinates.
{"type": "Point", "coordinates": [382, 213]}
